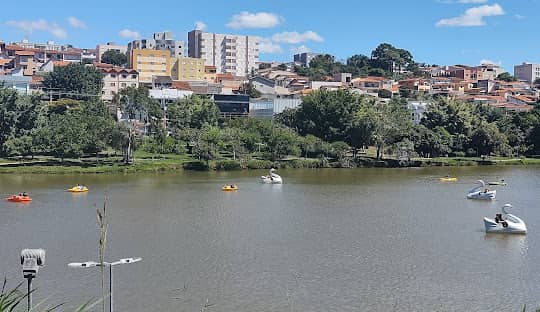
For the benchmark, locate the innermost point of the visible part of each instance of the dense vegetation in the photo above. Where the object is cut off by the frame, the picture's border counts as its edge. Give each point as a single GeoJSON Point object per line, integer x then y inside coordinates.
{"type": "Point", "coordinates": [385, 61]}
{"type": "Point", "coordinates": [330, 125]}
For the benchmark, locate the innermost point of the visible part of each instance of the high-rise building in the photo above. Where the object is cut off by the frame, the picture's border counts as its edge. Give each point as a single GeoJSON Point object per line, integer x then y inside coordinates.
{"type": "Point", "coordinates": [527, 71]}
{"type": "Point", "coordinates": [233, 54]}
{"type": "Point", "coordinates": [150, 63]}
{"type": "Point", "coordinates": [305, 58]}
{"type": "Point", "coordinates": [160, 41]}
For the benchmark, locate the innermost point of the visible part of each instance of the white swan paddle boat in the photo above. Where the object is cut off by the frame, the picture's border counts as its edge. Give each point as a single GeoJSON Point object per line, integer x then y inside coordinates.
{"type": "Point", "coordinates": [481, 192]}
{"type": "Point", "coordinates": [505, 223]}
{"type": "Point", "coordinates": [272, 178]}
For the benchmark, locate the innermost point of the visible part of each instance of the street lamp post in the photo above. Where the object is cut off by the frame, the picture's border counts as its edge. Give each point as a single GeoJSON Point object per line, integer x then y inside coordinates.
{"type": "Point", "coordinates": [110, 265]}
{"type": "Point", "coordinates": [31, 260]}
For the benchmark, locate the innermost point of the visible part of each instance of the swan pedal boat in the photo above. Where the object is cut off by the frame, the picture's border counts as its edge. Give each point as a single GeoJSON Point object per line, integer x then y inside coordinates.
{"type": "Point", "coordinates": [448, 179]}
{"type": "Point", "coordinates": [478, 193]}
{"type": "Point", "coordinates": [78, 189]}
{"type": "Point", "coordinates": [229, 188]}
{"type": "Point", "coordinates": [272, 178]}
{"type": "Point", "coordinates": [510, 224]}
{"type": "Point", "coordinates": [19, 199]}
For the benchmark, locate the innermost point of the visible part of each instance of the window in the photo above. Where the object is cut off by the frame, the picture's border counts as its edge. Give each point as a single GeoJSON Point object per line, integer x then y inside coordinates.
{"type": "Point", "coordinates": [113, 75]}
{"type": "Point", "coordinates": [124, 76]}
{"type": "Point", "coordinates": [113, 84]}
{"type": "Point", "coordinates": [133, 76]}
{"type": "Point", "coordinates": [123, 85]}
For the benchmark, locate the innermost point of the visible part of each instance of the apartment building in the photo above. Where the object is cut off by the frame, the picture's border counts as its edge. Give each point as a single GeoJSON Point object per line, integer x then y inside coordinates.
{"type": "Point", "coordinates": [305, 58]}
{"type": "Point", "coordinates": [527, 72]}
{"type": "Point", "coordinates": [116, 79]}
{"type": "Point", "coordinates": [150, 63]}
{"type": "Point", "coordinates": [187, 68]}
{"type": "Point", "coordinates": [49, 45]}
{"type": "Point", "coordinates": [162, 41]}
{"type": "Point", "coordinates": [102, 48]}
{"type": "Point", "coordinates": [233, 54]}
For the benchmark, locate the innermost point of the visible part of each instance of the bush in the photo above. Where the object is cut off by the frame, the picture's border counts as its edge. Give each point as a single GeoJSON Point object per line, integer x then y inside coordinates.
{"type": "Point", "coordinates": [227, 165]}
{"type": "Point", "coordinates": [197, 165]}
{"type": "Point", "coordinates": [259, 164]}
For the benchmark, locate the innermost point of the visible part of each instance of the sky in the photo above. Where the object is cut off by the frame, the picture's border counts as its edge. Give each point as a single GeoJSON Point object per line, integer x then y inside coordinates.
{"type": "Point", "coordinates": [443, 32]}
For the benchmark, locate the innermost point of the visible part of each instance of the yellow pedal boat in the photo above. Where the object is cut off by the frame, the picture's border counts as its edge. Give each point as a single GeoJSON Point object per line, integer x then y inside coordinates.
{"type": "Point", "coordinates": [78, 189]}
{"type": "Point", "coordinates": [448, 179]}
{"type": "Point", "coordinates": [229, 188]}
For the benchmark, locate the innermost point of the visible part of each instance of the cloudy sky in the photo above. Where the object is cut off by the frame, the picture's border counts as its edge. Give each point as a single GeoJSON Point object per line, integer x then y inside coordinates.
{"type": "Point", "coordinates": [435, 31]}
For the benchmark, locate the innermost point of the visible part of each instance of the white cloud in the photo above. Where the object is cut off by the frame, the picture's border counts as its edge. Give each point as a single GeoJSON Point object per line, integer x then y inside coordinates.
{"type": "Point", "coordinates": [267, 46]}
{"type": "Point", "coordinates": [75, 22]}
{"type": "Point", "coordinates": [129, 34]}
{"type": "Point", "coordinates": [39, 25]}
{"type": "Point", "coordinates": [300, 49]}
{"type": "Point", "coordinates": [254, 20]}
{"type": "Point", "coordinates": [296, 37]}
{"type": "Point", "coordinates": [519, 16]}
{"type": "Point", "coordinates": [200, 25]}
{"type": "Point", "coordinates": [473, 16]}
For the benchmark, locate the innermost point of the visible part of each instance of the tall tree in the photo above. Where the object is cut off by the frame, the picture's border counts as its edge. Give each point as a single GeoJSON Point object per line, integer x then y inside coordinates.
{"type": "Point", "coordinates": [76, 81]}
{"type": "Point", "coordinates": [114, 57]}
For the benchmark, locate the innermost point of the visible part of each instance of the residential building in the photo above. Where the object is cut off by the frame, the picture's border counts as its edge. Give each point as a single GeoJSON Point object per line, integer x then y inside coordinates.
{"type": "Point", "coordinates": [369, 83]}
{"type": "Point", "coordinates": [168, 96]}
{"type": "Point", "coordinates": [417, 108]}
{"type": "Point", "coordinates": [305, 58]}
{"type": "Point", "coordinates": [233, 54]}
{"type": "Point", "coordinates": [25, 61]}
{"type": "Point", "coordinates": [17, 81]}
{"type": "Point", "coordinates": [489, 71]}
{"type": "Point", "coordinates": [343, 77]}
{"type": "Point", "coordinates": [527, 72]}
{"type": "Point", "coordinates": [116, 79]}
{"type": "Point", "coordinates": [210, 73]}
{"type": "Point", "coordinates": [102, 48]}
{"type": "Point", "coordinates": [150, 63]}
{"type": "Point", "coordinates": [162, 41]}
{"type": "Point", "coordinates": [49, 45]}
{"type": "Point", "coordinates": [162, 82]}
{"type": "Point", "coordinates": [187, 68]}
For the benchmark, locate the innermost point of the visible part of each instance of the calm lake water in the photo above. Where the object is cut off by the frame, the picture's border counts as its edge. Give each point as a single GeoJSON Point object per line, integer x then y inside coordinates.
{"type": "Point", "coordinates": [326, 240]}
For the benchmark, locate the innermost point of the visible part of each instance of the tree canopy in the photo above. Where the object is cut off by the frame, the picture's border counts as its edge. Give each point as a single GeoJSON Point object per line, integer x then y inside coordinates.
{"type": "Point", "coordinates": [114, 57]}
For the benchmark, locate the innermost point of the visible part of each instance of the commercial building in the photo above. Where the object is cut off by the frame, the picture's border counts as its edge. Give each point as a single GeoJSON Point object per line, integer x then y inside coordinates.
{"type": "Point", "coordinates": [102, 48]}
{"type": "Point", "coordinates": [305, 58]}
{"type": "Point", "coordinates": [233, 54]}
{"type": "Point", "coordinates": [187, 68]}
{"type": "Point", "coordinates": [527, 72]}
{"type": "Point", "coordinates": [150, 63]}
{"type": "Point", "coordinates": [162, 41]}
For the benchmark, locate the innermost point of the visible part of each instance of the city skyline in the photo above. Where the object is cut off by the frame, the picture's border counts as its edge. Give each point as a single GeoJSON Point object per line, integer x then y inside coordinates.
{"type": "Point", "coordinates": [435, 31]}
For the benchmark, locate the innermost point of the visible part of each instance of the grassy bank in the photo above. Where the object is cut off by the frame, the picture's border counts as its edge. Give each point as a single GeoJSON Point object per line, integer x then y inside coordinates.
{"type": "Point", "coordinates": [145, 162]}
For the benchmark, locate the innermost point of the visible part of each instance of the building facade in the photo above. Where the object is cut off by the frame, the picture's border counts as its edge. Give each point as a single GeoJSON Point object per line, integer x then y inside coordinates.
{"type": "Point", "coordinates": [116, 79]}
{"type": "Point", "coordinates": [150, 63]}
{"type": "Point", "coordinates": [233, 54]}
{"type": "Point", "coordinates": [187, 68]}
{"type": "Point", "coordinates": [527, 72]}
{"type": "Point", "coordinates": [102, 48]}
{"type": "Point", "coordinates": [162, 41]}
{"type": "Point", "coordinates": [305, 58]}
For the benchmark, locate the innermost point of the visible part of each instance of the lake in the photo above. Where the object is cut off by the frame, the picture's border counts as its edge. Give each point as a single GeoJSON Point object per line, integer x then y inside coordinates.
{"type": "Point", "coordinates": [326, 240]}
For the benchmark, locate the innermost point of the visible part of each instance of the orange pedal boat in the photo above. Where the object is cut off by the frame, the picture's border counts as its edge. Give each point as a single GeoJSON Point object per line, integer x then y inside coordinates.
{"type": "Point", "coordinates": [19, 198]}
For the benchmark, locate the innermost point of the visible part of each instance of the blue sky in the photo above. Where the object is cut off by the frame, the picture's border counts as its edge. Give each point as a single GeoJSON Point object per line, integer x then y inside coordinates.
{"type": "Point", "coordinates": [435, 31]}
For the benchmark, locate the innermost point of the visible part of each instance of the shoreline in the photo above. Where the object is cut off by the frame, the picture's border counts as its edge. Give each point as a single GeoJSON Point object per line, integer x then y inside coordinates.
{"type": "Point", "coordinates": [167, 163]}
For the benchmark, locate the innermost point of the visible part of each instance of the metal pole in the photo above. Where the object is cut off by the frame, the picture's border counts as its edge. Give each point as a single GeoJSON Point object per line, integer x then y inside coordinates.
{"type": "Point", "coordinates": [29, 293]}
{"type": "Point", "coordinates": [110, 288]}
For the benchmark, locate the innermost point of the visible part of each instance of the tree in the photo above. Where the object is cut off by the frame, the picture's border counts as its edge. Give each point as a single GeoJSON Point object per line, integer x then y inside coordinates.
{"type": "Point", "coordinates": [249, 89]}
{"type": "Point", "coordinates": [486, 139]}
{"type": "Point", "coordinates": [309, 144]}
{"type": "Point", "coordinates": [192, 112]}
{"type": "Point", "coordinates": [114, 57]}
{"type": "Point", "coordinates": [506, 77]}
{"type": "Point", "coordinates": [282, 143]}
{"type": "Point", "coordinates": [386, 56]}
{"type": "Point", "coordinates": [62, 136]}
{"type": "Point", "coordinates": [392, 124]}
{"type": "Point", "coordinates": [232, 138]}
{"type": "Point", "coordinates": [76, 81]}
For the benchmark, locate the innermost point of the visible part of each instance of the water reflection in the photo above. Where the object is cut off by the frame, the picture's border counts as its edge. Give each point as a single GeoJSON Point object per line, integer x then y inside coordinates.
{"type": "Point", "coordinates": [515, 244]}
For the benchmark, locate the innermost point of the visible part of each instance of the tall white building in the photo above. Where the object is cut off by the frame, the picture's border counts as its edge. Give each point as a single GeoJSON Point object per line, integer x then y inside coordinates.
{"type": "Point", "coordinates": [527, 72]}
{"type": "Point", "coordinates": [233, 54]}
